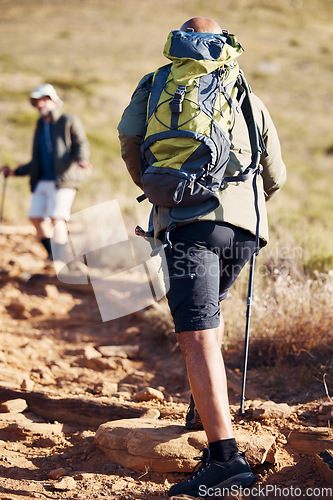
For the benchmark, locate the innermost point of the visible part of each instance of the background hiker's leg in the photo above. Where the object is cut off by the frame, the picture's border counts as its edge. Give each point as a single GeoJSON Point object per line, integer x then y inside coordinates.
{"type": "Point", "coordinates": [60, 232]}
{"type": "Point", "coordinates": [43, 227]}
{"type": "Point", "coordinates": [44, 233]}
{"type": "Point", "coordinates": [59, 239]}
{"type": "Point", "coordinates": [205, 367]}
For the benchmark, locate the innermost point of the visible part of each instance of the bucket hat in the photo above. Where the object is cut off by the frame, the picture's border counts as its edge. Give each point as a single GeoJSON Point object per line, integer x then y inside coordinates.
{"type": "Point", "coordinates": [46, 90]}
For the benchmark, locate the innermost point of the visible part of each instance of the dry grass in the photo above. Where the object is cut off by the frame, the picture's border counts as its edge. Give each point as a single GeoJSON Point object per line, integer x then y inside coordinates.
{"type": "Point", "coordinates": [292, 316]}
{"type": "Point", "coordinates": [291, 325]}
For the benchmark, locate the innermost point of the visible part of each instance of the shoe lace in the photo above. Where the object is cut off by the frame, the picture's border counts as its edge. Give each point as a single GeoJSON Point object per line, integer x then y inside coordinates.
{"type": "Point", "coordinates": [201, 465]}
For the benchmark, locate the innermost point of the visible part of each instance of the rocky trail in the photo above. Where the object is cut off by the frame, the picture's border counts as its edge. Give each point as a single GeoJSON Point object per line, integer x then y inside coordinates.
{"type": "Point", "coordinates": [92, 410]}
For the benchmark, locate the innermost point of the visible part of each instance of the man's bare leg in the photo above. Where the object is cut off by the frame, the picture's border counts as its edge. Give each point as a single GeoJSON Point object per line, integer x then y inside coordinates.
{"type": "Point", "coordinates": [60, 231]}
{"type": "Point", "coordinates": [59, 240]}
{"type": "Point", "coordinates": [205, 367]}
{"type": "Point", "coordinates": [220, 331]}
{"type": "Point", "coordinates": [55, 230]}
{"type": "Point", "coordinates": [206, 373]}
{"type": "Point", "coordinates": [44, 233]}
{"type": "Point", "coordinates": [43, 228]}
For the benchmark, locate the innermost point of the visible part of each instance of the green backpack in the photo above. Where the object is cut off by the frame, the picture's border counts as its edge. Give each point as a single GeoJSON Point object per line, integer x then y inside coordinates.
{"type": "Point", "coordinates": [190, 113]}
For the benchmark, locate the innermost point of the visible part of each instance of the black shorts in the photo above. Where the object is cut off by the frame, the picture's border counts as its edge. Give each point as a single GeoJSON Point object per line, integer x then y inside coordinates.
{"type": "Point", "coordinates": [205, 260]}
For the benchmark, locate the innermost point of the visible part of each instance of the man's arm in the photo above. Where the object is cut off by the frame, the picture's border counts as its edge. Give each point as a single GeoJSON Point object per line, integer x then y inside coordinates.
{"type": "Point", "coordinates": [274, 170]}
{"type": "Point", "coordinates": [23, 169]}
{"type": "Point", "coordinates": [80, 144]}
{"type": "Point", "coordinates": [131, 128]}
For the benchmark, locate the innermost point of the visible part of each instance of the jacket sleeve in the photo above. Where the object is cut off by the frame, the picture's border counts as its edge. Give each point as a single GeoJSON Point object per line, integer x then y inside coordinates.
{"type": "Point", "coordinates": [131, 128]}
{"type": "Point", "coordinates": [23, 170]}
{"type": "Point", "coordinates": [274, 170]}
{"type": "Point", "coordinates": [80, 144]}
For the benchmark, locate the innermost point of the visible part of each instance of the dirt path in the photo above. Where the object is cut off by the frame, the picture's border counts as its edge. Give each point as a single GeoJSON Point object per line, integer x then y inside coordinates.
{"type": "Point", "coordinates": [50, 336]}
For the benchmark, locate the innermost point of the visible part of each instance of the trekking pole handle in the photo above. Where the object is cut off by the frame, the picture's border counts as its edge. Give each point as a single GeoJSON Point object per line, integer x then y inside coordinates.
{"type": "Point", "coordinates": [6, 171]}
{"type": "Point", "coordinates": [140, 232]}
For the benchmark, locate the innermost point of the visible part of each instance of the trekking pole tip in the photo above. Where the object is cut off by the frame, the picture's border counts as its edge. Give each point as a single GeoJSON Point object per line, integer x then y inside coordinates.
{"type": "Point", "coordinates": [241, 412]}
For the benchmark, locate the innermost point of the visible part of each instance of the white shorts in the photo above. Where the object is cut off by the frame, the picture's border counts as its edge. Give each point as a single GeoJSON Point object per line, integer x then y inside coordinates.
{"type": "Point", "coordinates": [48, 201]}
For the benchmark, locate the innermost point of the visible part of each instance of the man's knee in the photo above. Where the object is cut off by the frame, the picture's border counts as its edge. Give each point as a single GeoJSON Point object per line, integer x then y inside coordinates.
{"type": "Point", "coordinates": [184, 338]}
{"type": "Point", "coordinates": [191, 341]}
{"type": "Point", "coordinates": [38, 223]}
{"type": "Point", "coordinates": [36, 220]}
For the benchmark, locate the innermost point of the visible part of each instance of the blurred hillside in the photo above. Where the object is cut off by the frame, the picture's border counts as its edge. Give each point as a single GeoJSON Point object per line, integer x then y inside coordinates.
{"type": "Point", "coordinates": [95, 51]}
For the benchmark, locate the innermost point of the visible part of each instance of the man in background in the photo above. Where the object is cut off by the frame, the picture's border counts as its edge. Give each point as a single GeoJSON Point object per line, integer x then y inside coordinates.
{"type": "Point", "coordinates": [60, 161]}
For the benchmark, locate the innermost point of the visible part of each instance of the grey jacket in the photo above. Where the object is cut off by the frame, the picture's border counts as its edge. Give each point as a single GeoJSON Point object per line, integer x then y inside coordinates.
{"type": "Point", "coordinates": [237, 199]}
{"type": "Point", "coordinates": [70, 146]}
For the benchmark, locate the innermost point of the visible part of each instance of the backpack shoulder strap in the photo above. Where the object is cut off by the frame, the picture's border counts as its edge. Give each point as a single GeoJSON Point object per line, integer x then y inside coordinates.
{"type": "Point", "coordinates": [257, 147]}
{"type": "Point", "coordinates": [155, 87]}
{"type": "Point", "coordinates": [256, 141]}
{"type": "Point", "coordinates": [159, 80]}
{"type": "Point", "coordinates": [247, 109]}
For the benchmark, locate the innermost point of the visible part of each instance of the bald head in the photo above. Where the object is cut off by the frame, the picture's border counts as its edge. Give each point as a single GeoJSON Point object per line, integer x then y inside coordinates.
{"type": "Point", "coordinates": [202, 25]}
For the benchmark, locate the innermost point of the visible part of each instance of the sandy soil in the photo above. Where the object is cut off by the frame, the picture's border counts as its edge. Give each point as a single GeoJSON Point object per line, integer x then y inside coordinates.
{"type": "Point", "coordinates": [47, 329]}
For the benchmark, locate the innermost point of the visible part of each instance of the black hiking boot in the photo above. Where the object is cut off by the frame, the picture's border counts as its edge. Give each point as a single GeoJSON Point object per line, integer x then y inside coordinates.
{"type": "Point", "coordinates": [193, 420]}
{"type": "Point", "coordinates": [216, 478]}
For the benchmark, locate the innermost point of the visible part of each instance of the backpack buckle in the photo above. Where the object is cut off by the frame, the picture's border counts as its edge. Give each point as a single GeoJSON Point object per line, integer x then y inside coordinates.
{"type": "Point", "coordinates": [176, 105]}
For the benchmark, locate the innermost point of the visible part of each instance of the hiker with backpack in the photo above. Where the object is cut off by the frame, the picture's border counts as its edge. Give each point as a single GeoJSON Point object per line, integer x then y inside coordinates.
{"type": "Point", "coordinates": [60, 161]}
{"type": "Point", "coordinates": [206, 153]}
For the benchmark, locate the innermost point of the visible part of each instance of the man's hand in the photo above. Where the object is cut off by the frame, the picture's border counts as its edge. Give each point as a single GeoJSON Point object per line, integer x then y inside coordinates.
{"type": "Point", "coordinates": [6, 171]}
{"type": "Point", "coordinates": [85, 165]}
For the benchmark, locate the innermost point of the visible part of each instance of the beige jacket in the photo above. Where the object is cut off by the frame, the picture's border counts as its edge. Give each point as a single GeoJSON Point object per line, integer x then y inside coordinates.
{"type": "Point", "coordinates": [237, 199]}
{"type": "Point", "coordinates": [70, 146]}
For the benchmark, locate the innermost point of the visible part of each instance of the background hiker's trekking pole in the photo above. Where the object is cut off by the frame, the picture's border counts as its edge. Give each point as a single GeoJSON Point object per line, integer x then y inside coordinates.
{"type": "Point", "coordinates": [3, 200]}
{"type": "Point", "coordinates": [247, 331]}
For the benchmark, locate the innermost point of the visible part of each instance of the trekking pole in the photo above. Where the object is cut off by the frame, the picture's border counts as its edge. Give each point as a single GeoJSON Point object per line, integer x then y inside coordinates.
{"type": "Point", "coordinates": [247, 331]}
{"type": "Point", "coordinates": [3, 200]}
